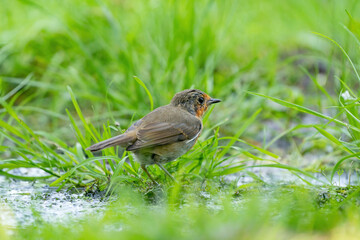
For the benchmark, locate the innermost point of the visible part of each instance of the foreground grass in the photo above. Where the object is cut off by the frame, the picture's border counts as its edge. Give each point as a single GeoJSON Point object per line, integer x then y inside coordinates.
{"type": "Point", "coordinates": [280, 212]}
{"type": "Point", "coordinates": [83, 57]}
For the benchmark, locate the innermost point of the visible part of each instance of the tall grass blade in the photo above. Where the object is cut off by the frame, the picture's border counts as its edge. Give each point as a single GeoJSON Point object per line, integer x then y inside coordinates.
{"type": "Point", "coordinates": [141, 83]}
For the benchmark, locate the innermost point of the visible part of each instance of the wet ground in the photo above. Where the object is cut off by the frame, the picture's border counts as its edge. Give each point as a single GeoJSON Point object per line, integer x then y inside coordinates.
{"type": "Point", "coordinates": [23, 203]}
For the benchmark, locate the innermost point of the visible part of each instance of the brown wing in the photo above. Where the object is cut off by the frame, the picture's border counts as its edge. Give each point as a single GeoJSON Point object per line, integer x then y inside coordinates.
{"type": "Point", "coordinates": [162, 133]}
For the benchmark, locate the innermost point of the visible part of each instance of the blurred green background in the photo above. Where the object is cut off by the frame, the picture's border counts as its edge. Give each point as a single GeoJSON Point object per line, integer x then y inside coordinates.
{"type": "Point", "coordinates": [220, 47]}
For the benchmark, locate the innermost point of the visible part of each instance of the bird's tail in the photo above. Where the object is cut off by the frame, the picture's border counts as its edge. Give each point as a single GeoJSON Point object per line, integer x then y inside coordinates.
{"type": "Point", "coordinates": [124, 140]}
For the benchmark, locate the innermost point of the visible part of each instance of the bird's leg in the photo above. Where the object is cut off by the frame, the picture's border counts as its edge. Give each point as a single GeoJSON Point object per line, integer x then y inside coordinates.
{"type": "Point", "coordinates": [161, 166]}
{"type": "Point", "coordinates": [147, 173]}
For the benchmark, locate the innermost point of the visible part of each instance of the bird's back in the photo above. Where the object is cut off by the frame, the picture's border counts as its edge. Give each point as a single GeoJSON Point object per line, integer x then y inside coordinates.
{"type": "Point", "coordinates": [165, 125]}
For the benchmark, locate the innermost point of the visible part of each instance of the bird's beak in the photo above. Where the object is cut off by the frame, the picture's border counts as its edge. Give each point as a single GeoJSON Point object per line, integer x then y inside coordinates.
{"type": "Point", "coordinates": [213, 100]}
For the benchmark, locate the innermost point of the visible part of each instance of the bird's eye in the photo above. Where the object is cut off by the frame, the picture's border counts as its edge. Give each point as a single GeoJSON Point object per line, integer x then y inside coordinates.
{"type": "Point", "coordinates": [201, 100]}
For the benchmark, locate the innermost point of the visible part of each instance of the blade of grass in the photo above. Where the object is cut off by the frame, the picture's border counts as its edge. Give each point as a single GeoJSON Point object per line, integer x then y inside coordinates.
{"type": "Point", "coordinates": [79, 113]}
{"type": "Point", "coordinates": [304, 109]}
{"type": "Point", "coordinates": [238, 133]}
{"type": "Point", "coordinates": [344, 52]}
{"type": "Point", "coordinates": [337, 165]}
{"type": "Point", "coordinates": [333, 139]}
{"type": "Point", "coordinates": [141, 83]}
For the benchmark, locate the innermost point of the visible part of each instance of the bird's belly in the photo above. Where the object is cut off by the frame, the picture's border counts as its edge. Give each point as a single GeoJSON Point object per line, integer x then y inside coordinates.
{"type": "Point", "coordinates": [163, 154]}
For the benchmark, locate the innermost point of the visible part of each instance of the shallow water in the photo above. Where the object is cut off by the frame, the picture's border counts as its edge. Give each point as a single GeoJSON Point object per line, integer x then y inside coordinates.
{"type": "Point", "coordinates": [23, 203]}
{"type": "Point", "coordinates": [277, 175]}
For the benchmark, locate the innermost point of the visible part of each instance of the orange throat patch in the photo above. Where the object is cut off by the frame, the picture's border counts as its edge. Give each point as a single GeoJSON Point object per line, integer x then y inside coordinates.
{"type": "Point", "coordinates": [200, 111]}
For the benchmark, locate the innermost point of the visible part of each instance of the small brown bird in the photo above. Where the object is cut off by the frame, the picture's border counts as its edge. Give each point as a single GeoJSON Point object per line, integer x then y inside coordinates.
{"type": "Point", "coordinates": [166, 133]}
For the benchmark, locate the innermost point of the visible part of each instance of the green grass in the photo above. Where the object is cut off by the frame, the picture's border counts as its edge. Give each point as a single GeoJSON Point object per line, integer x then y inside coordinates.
{"type": "Point", "coordinates": [281, 213]}
{"type": "Point", "coordinates": [76, 72]}
{"type": "Point", "coordinates": [347, 110]}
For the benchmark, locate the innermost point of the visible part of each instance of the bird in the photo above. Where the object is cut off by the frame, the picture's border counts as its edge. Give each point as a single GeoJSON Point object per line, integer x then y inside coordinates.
{"type": "Point", "coordinates": [166, 133]}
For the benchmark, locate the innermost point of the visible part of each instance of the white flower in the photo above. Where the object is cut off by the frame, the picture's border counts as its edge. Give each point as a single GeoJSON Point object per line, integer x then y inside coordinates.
{"type": "Point", "coordinates": [346, 96]}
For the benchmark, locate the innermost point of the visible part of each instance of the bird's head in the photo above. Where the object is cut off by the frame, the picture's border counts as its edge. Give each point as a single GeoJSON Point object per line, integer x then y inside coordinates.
{"type": "Point", "coordinates": [194, 101]}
